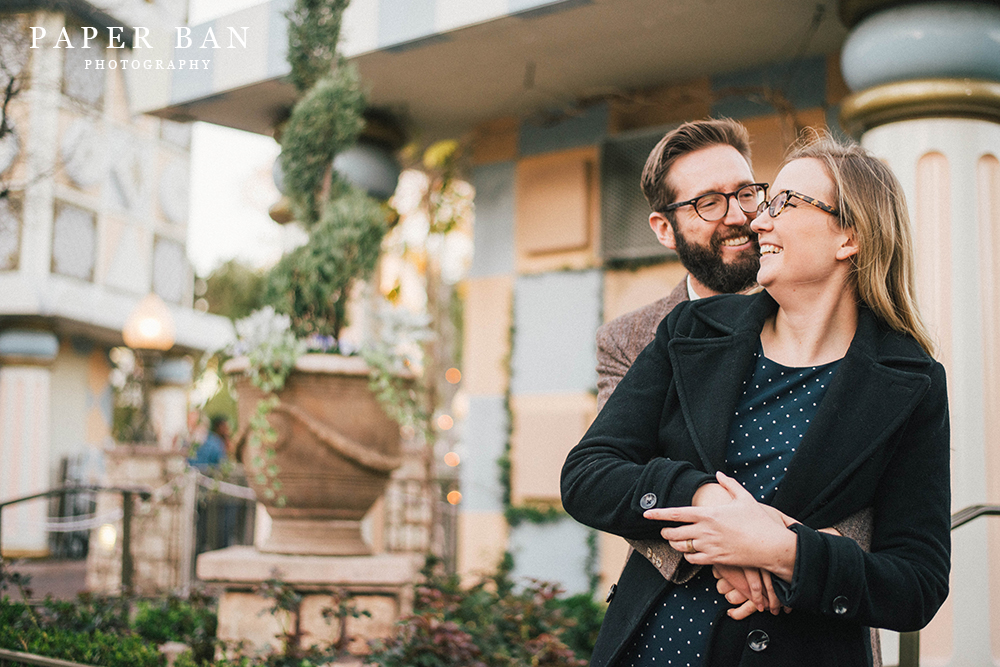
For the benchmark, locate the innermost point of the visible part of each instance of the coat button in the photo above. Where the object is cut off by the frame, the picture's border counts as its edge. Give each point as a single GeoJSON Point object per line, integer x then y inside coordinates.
{"type": "Point", "coordinates": [840, 605]}
{"type": "Point", "coordinates": [648, 501]}
{"type": "Point", "coordinates": [611, 592]}
{"type": "Point", "coordinates": [758, 640]}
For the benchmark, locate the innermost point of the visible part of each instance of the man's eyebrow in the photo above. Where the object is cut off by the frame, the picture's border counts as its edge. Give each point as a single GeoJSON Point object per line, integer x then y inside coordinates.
{"type": "Point", "coordinates": [710, 191]}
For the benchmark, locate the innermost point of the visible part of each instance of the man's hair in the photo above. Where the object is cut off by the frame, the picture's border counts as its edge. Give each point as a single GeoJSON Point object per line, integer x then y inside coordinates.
{"type": "Point", "coordinates": [687, 138]}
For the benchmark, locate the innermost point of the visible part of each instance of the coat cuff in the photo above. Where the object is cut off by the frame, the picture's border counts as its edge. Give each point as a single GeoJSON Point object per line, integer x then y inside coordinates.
{"type": "Point", "coordinates": [819, 584]}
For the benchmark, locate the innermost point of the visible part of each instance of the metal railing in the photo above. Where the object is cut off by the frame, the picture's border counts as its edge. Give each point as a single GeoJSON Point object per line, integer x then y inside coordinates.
{"type": "Point", "coordinates": [31, 659]}
{"type": "Point", "coordinates": [128, 497]}
{"type": "Point", "coordinates": [909, 642]}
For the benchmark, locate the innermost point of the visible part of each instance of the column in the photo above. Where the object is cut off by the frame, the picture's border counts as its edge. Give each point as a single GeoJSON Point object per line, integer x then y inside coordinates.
{"type": "Point", "coordinates": [25, 357]}
{"type": "Point", "coordinates": [926, 98]}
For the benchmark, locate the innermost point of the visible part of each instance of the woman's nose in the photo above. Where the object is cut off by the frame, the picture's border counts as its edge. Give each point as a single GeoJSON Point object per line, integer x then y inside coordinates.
{"type": "Point", "coordinates": [762, 222]}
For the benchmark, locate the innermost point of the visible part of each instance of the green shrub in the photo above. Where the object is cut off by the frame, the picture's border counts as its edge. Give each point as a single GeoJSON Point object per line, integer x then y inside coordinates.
{"type": "Point", "coordinates": [192, 621]}
{"type": "Point", "coordinates": [21, 630]}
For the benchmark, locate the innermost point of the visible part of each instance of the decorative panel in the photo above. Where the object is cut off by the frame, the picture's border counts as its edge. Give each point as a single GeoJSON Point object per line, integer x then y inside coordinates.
{"type": "Point", "coordinates": [546, 427]}
{"type": "Point", "coordinates": [486, 334]}
{"type": "Point", "coordinates": [554, 202]}
{"type": "Point", "coordinates": [81, 83]}
{"type": "Point", "coordinates": [128, 268]}
{"type": "Point", "coordinates": [83, 152]}
{"type": "Point", "coordinates": [10, 232]}
{"type": "Point", "coordinates": [74, 237]}
{"type": "Point", "coordinates": [170, 270]}
{"type": "Point", "coordinates": [174, 189]}
{"type": "Point", "coordinates": [125, 178]}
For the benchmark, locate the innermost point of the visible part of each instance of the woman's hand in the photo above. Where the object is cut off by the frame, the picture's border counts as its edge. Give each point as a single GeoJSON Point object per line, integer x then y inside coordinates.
{"type": "Point", "coordinates": [735, 585]}
{"type": "Point", "coordinates": [742, 532]}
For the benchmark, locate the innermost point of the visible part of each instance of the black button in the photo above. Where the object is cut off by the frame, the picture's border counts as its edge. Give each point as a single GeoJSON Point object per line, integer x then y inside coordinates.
{"type": "Point", "coordinates": [840, 605]}
{"type": "Point", "coordinates": [611, 592]}
{"type": "Point", "coordinates": [758, 640]}
{"type": "Point", "coordinates": [648, 501]}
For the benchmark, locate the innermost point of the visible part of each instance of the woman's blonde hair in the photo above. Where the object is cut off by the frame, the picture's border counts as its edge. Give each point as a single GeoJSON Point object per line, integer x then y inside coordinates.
{"type": "Point", "coordinates": [871, 202]}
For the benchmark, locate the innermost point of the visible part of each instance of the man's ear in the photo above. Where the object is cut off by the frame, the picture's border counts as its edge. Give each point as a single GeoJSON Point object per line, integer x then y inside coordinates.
{"type": "Point", "coordinates": [663, 229]}
{"type": "Point", "coordinates": [849, 247]}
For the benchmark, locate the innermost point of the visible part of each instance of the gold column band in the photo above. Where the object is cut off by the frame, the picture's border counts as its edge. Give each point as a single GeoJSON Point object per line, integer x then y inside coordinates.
{"type": "Point", "coordinates": [922, 98]}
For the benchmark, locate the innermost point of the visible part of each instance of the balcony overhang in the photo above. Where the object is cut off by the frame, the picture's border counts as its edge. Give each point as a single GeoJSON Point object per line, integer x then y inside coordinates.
{"type": "Point", "coordinates": [511, 65]}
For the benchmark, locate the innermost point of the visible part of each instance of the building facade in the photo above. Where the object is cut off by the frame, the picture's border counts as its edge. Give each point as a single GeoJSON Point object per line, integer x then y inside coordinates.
{"type": "Point", "coordinates": [94, 218]}
{"type": "Point", "coordinates": [558, 103]}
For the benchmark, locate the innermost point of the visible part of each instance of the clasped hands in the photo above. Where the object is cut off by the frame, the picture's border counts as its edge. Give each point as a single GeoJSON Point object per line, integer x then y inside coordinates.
{"type": "Point", "coordinates": [746, 543]}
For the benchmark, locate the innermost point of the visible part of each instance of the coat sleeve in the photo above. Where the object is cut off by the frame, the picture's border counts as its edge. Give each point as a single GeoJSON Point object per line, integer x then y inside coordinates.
{"type": "Point", "coordinates": [903, 580]}
{"type": "Point", "coordinates": [617, 471]}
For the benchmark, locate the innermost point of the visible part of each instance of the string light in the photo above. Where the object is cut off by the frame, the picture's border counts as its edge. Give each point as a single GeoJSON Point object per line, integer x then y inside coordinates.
{"type": "Point", "coordinates": [452, 459]}
{"type": "Point", "coordinates": [453, 375]}
{"type": "Point", "coordinates": [445, 422]}
{"type": "Point", "coordinates": [454, 497]}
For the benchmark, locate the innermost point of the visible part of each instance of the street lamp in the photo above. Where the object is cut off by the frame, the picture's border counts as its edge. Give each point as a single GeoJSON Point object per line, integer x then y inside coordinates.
{"type": "Point", "coordinates": [148, 331]}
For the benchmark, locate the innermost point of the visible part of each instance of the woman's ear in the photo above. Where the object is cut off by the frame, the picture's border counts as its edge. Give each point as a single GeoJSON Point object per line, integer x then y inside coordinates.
{"type": "Point", "coordinates": [849, 247]}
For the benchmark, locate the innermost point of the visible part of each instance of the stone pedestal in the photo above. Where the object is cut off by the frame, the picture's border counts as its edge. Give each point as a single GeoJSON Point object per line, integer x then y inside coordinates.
{"type": "Point", "coordinates": [380, 584]}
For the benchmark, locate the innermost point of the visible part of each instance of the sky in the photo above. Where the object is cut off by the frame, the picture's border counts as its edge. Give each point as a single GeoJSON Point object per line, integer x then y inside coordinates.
{"type": "Point", "coordinates": [231, 184]}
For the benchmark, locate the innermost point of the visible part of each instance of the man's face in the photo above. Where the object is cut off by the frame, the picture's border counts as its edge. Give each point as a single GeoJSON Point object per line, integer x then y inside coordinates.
{"type": "Point", "coordinates": [722, 256]}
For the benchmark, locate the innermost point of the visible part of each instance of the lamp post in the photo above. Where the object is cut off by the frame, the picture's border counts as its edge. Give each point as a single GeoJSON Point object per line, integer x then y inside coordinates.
{"type": "Point", "coordinates": [148, 331]}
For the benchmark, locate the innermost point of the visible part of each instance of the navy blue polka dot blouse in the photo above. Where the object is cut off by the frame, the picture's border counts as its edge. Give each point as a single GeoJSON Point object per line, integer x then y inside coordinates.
{"type": "Point", "coordinates": [777, 406]}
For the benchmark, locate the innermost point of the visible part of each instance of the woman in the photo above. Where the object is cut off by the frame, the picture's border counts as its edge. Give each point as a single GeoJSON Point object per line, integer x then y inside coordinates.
{"type": "Point", "coordinates": [751, 423]}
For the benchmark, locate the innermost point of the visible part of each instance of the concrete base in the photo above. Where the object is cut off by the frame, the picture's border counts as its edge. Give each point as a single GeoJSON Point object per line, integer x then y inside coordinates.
{"type": "Point", "coordinates": [381, 584]}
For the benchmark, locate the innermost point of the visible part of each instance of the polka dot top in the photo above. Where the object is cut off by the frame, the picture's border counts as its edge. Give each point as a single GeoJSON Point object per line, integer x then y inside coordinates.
{"type": "Point", "coordinates": [777, 406]}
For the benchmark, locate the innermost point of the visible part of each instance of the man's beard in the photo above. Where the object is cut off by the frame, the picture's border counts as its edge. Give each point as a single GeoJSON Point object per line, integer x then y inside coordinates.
{"type": "Point", "coordinates": [705, 263]}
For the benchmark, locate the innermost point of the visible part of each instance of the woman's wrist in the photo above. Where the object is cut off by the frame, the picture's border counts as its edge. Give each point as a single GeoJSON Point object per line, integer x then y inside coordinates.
{"type": "Point", "coordinates": [783, 555]}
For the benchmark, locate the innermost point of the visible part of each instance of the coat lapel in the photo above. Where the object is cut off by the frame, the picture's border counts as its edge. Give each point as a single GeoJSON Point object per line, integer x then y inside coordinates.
{"type": "Point", "coordinates": [709, 371]}
{"type": "Point", "coordinates": [864, 404]}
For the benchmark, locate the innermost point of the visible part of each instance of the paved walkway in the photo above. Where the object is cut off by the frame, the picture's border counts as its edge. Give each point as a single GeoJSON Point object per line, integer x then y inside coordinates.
{"type": "Point", "coordinates": [62, 579]}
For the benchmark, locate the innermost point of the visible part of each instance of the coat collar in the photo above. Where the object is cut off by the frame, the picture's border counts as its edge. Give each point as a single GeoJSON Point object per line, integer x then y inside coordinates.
{"type": "Point", "coordinates": [874, 390]}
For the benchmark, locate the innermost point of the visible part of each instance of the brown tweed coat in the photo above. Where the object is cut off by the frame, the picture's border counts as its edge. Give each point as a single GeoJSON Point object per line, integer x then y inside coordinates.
{"type": "Point", "coordinates": [619, 342]}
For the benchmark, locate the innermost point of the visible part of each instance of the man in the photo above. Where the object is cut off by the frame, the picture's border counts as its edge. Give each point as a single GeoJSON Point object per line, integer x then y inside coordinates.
{"type": "Point", "coordinates": [699, 184]}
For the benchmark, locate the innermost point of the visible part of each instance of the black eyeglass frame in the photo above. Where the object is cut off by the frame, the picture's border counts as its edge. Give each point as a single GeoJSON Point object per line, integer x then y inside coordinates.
{"type": "Point", "coordinates": [769, 205]}
{"type": "Point", "coordinates": [728, 195]}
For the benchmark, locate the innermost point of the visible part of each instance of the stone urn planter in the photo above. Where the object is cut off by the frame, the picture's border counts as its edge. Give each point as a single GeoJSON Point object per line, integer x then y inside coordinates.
{"type": "Point", "coordinates": [334, 453]}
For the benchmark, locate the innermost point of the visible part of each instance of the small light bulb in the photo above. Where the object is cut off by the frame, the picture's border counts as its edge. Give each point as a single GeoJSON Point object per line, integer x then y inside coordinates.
{"type": "Point", "coordinates": [454, 497]}
{"type": "Point", "coordinates": [452, 459]}
{"type": "Point", "coordinates": [445, 422]}
{"type": "Point", "coordinates": [107, 535]}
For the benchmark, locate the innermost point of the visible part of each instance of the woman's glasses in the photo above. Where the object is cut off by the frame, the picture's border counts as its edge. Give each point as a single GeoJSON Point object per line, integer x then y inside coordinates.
{"type": "Point", "coordinates": [780, 200]}
{"type": "Point", "coordinates": [713, 206]}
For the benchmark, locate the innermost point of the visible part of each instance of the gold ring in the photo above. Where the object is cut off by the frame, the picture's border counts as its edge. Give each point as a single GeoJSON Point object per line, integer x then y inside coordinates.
{"type": "Point", "coordinates": [691, 549]}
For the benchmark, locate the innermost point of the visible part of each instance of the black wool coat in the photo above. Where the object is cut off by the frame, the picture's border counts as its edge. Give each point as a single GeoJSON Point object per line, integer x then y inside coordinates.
{"type": "Point", "coordinates": [879, 440]}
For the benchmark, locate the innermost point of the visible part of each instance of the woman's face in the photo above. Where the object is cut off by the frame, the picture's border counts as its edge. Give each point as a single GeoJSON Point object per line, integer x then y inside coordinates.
{"type": "Point", "coordinates": [804, 246]}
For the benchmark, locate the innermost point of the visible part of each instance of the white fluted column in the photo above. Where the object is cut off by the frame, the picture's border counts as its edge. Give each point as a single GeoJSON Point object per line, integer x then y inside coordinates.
{"type": "Point", "coordinates": [926, 82]}
{"type": "Point", "coordinates": [25, 414]}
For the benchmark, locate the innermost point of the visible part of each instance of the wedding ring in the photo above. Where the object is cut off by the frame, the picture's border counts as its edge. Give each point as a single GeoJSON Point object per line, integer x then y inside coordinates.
{"type": "Point", "coordinates": [691, 549]}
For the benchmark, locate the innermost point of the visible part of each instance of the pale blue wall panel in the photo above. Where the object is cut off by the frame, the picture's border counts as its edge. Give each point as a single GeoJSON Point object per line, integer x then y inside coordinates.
{"type": "Point", "coordinates": [493, 252]}
{"type": "Point", "coordinates": [483, 442]}
{"type": "Point", "coordinates": [552, 552]}
{"type": "Point", "coordinates": [804, 83]}
{"type": "Point", "coordinates": [555, 318]}
{"type": "Point", "coordinates": [188, 84]}
{"type": "Point", "coordinates": [277, 38]}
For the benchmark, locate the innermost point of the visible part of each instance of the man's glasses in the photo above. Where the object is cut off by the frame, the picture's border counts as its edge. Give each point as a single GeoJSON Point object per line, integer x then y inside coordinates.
{"type": "Point", "coordinates": [713, 206]}
{"type": "Point", "coordinates": [780, 201]}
